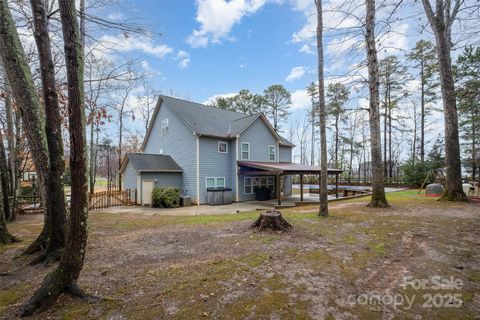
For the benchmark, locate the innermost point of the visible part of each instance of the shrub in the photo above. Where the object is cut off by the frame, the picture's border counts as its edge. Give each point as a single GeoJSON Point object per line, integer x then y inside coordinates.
{"type": "Point", "coordinates": [166, 197]}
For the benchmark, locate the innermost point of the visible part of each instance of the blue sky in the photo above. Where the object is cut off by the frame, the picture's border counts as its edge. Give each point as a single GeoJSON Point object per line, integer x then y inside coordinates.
{"type": "Point", "coordinates": [217, 47]}
{"type": "Point", "coordinates": [250, 44]}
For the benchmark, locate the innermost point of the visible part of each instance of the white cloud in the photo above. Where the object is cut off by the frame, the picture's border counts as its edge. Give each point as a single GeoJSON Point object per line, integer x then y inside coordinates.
{"type": "Point", "coordinates": [217, 18]}
{"type": "Point", "coordinates": [296, 73]}
{"type": "Point", "coordinates": [224, 95]}
{"type": "Point", "coordinates": [393, 42]}
{"type": "Point", "coordinates": [306, 49]}
{"type": "Point", "coordinates": [115, 16]}
{"type": "Point", "coordinates": [300, 100]}
{"type": "Point", "coordinates": [184, 59]}
{"type": "Point", "coordinates": [125, 42]}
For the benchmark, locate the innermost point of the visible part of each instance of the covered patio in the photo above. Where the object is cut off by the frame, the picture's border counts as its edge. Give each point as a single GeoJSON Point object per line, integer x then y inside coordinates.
{"type": "Point", "coordinates": [279, 169]}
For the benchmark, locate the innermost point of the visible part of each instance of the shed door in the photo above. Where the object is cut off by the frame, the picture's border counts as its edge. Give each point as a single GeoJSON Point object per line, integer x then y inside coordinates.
{"type": "Point", "coordinates": [147, 188]}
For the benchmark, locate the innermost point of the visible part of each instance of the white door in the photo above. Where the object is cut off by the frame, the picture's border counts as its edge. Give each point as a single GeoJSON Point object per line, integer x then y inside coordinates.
{"type": "Point", "coordinates": [147, 188]}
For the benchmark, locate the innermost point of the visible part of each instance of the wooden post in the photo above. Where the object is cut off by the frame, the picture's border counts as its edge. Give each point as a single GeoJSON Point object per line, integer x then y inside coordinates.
{"type": "Point", "coordinates": [301, 187]}
{"type": "Point", "coordinates": [279, 189]}
{"type": "Point", "coordinates": [336, 185]}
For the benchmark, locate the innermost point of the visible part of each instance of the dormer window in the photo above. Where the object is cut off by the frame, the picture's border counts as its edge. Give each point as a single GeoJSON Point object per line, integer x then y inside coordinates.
{"type": "Point", "coordinates": [222, 147]}
{"type": "Point", "coordinates": [164, 127]}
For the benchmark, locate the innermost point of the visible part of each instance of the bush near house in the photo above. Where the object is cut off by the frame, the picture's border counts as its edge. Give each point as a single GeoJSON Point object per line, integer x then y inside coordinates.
{"type": "Point", "coordinates": [166, 197]}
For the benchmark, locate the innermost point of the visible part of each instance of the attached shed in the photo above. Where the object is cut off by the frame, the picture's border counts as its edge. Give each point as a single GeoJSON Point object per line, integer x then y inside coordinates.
{"type": "Point", "coordinates": [143, 172]}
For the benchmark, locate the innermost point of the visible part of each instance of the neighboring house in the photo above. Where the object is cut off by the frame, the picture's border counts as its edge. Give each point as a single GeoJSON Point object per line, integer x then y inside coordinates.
{"type": "Point", "coordinates": [194, 147]}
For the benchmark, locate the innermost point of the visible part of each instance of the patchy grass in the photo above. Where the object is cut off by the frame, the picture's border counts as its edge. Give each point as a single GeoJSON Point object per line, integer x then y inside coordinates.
{"type": "Point", "coordinates": [215, 267]}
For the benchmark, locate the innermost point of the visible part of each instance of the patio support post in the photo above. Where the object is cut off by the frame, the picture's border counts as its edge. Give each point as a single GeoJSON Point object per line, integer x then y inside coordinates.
{"type": "Point", "coordinates": [336, 185]}
{"type": "Point", "coordinates": [279, 189]}
{"type": "Point", "coordinates": [301, 187]}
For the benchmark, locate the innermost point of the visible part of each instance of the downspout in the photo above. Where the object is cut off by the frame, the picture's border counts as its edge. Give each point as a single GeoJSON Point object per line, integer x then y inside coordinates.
{"type": "Point", "coordinates": [197, 140]}
{"type": "Point", "coordinates": [236, 171]}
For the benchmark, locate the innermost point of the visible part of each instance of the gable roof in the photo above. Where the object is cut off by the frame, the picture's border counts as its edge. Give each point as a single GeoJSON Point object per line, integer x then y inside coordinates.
{"type": "Point", "coordinates": [211, 121]}
{"type": "Point", "coordinates": [150, 162]}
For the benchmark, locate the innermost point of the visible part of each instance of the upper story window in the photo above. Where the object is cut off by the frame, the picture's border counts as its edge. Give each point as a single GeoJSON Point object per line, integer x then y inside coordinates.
{"type": "Point", "coordinates": [222, 147]}
{"type": "Point", "coordinates": [160, 151]}
{"type": "Point", "coordinates": [272, 153]}
{"type": "Point", "coordinates": [164, 126]}
{"type": "Point", "coordinates": [245, 151]}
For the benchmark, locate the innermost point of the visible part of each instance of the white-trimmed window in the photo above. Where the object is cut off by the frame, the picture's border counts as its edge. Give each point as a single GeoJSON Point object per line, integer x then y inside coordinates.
{"type": "Point", "coordinates": [245, 151]}
{"type": "Point", "coordinates": [247, 185]}
{"type": "Point", "coordinates": [220, 182]}
{"type": "Point", "coordinates": [272, 153]}
{"type": "Point", "coordinates": [164, 126]}
{"type": "Point", "coordinates": [215, 182]}
{"type": "Point", "coordinates": [210, 182]}
{"type": "Point", "coordinates": [160, 151]}
{"type": "Point", "coordinates": [222, 147]}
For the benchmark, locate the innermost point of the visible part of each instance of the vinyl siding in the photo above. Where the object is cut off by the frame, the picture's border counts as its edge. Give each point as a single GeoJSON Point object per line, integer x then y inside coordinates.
{"type": "Point", "coordinates": [285, 154]}
{"type": "Point", "coordinates": [287, 185]}
{"type": "Point", "coordinates": [215, 164]}
{"type": "Point", "coordinates": [129, 177]}
{"type": "Point", "coordinates": [259, 137]}
{"type": "Point", "coordinates": [179, 143]}
{"type": "Point", "coordinates": [161, 179]}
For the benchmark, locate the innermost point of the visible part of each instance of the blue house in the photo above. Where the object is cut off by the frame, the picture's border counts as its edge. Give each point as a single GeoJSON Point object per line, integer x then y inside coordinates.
{"type": "Point", "coordinates": [194, 147]}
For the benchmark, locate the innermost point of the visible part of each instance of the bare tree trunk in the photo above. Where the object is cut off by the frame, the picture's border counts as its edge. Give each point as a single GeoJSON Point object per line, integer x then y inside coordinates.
{"type": "Point", "coordinates": [390, 163]}
{"type": "Point", "coordinates": [53, 133]}
{"type": "Point", "coordinates": [422, 116]}
{"type": "Point", "coordinates": [65, 277]}
{"type": "Point", "coordinates": [5, 236]}
{"type": "Point", "coordinates": [336, 142]}
{"type": "Point", "coordinates": [23, 89]}
{"type": "Point", "coordinates": [312, 143]}
{"type": "Point", "coordinates": [323, 114]}
{"type": "Point", "coordinates": [10, 211]}
{"type": "Point", "coordinates": [441, 23]}
{"type": "Point", "coordinates": [4, 177]}
{"type": "Point", "coordinates": [385, 121]}
{"type": "Point", "coordinates": [378, 189]}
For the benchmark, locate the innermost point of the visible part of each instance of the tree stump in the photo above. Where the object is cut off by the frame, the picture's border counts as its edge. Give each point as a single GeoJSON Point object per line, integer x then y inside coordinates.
{"type": "Point", "coordinates": [273, 220]}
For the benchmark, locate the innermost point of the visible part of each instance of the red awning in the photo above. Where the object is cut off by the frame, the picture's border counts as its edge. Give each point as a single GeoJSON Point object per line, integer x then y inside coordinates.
{"type": "Point", "coordinates": [284, 168]}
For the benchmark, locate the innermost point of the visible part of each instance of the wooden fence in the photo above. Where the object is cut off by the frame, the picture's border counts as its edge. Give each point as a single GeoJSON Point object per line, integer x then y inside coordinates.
{"type": "Point", "coordinates": [112, 198]}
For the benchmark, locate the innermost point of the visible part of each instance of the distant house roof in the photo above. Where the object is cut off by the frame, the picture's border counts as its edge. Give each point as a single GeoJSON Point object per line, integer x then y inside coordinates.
{"type": "Point", "coordinates": [150, 162]}
{"type": "Point", "coordinates": [211, 121]}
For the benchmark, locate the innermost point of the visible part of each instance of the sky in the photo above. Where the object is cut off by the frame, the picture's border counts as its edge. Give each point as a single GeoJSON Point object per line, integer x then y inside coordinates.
{"type": "Point", "coordinates": [209, 48]}
{"type": "Point", "coordinates": [214, 47]}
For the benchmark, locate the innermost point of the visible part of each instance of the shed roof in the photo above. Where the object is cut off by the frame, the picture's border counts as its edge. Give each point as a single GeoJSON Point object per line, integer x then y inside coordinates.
{"type": "Point", "coordinates": [286, 167]}
{"type": "Point", "coordinates": [150, 162]}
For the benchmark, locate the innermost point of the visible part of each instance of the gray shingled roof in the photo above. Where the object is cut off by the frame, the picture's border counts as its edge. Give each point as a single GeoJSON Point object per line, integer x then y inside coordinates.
{"type": "Point", "coordinates": [151, 162]}
{"type": "Point", "coordinates": [212, 121]}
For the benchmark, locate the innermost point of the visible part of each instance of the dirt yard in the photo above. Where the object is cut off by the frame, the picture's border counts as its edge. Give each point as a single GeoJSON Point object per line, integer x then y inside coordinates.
{"type": "Point", "coordinates": [359, 263]}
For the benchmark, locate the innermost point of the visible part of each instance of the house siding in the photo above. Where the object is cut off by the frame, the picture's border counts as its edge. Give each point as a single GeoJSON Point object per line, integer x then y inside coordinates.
{"type": "Point", "coordinates": [179, 143]}
{"type": "Point", "coordinates": [216, 164]}
{"type": "Point", "coordinates": [285, 154]}
{"type": "Point", "coordinates": [130, 177]}
{"type": "Point", "coordinates": [161, 179]}
{"type": "Point", "coordinates": [259, 137]}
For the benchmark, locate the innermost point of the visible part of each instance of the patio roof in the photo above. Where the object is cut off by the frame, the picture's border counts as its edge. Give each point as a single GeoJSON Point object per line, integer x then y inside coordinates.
{"type": "Point", "coordinates": [284, 168]}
